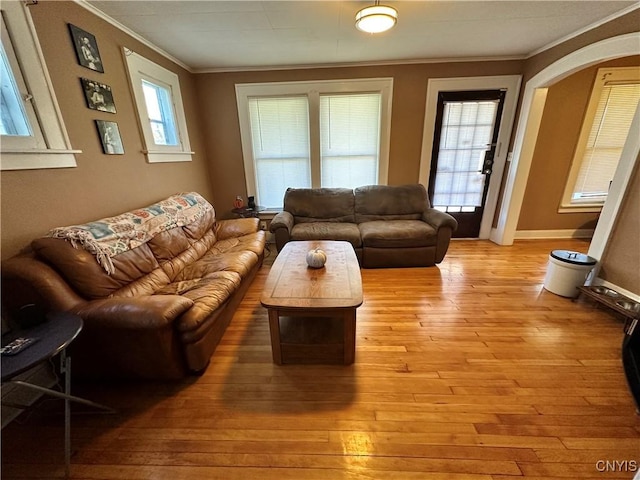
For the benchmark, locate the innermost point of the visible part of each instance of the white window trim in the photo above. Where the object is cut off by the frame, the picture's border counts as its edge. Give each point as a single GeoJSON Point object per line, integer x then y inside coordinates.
{"type": "Point", "coordinates": [612, 75]}
{"type": "Point", "coordinates": [140, 68]}
{"type": "Point", "coordinates": [54, 149]}
{"type": "Point", "coordinates": [313, 90]}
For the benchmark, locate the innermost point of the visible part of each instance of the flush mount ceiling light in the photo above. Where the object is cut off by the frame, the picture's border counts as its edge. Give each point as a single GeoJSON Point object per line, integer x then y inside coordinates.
{"type": "Point", "coordinates": [376, 18]}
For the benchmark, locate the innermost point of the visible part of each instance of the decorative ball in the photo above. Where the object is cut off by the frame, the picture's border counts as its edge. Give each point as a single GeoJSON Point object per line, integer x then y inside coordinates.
{"type": "Point", "coordinates": [316, 258]}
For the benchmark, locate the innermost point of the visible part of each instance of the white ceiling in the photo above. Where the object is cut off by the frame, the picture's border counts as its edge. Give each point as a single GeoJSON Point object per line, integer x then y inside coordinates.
{"type": "Point", "coordinates": [209, 35]}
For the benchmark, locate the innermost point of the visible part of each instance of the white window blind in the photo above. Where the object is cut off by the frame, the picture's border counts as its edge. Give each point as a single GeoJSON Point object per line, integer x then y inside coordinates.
{"type": "Point", "coordinates": [280, 144]}
{"type": "Point", "coordinates": [605, 129]}
{"type": "Point", "coordinates": [349, 139]}
{"type": "Point", "coordinates": [609, 131]}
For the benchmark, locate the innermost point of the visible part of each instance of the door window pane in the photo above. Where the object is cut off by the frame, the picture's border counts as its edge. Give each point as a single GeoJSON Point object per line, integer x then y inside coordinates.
{"type": "Point", "coordinates": [465, 137]}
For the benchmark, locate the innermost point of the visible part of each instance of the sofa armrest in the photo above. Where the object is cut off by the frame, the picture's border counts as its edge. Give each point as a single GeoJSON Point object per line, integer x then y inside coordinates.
{"type": "Point", "coordinates": [281, 226]}
{"type": "Point", "coordinates": [236, 227]}
{"type": "Point", "coordinates": [134, 313]}
{"type": "Point", "coordinates": [438, 219]}
{"type": "Point", "coordinates": [26, 279]}
{"type": "Point", "coordinates": [444, 225]}
{"type": "Point", "coordinates": [281, 220]}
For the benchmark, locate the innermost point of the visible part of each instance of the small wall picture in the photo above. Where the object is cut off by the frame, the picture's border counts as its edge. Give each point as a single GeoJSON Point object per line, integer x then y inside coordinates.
{"type": "Point", "coordinates": [86, 49]}
{"type": "Point", "coordinates": [98, 96]}
{"type": "Point", "coordinates": [110, 137]}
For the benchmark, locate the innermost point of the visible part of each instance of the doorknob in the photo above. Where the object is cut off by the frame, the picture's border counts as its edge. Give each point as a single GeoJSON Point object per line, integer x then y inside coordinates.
{"type": "Point", "coordinates": [487, 164]}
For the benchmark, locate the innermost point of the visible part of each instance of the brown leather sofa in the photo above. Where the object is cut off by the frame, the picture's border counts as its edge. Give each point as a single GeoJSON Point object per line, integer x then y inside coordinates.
{"type": "Point", "coordinates": [388, 226]}
{"type": "Point", "coordinates": [156, 300]}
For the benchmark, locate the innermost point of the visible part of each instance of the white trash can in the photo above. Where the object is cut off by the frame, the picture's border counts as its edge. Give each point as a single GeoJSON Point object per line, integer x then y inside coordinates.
{"type": "Point", "coordinates": [566, 271]}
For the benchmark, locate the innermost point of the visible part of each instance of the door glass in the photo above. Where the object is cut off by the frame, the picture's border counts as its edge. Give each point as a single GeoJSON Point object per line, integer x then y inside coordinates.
{"type": "Point", "coordinates": [467, 129]}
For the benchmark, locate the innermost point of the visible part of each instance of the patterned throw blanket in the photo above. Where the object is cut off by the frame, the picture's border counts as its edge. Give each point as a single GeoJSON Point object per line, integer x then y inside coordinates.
{"type": "Point", "coordinates": [111, 236]}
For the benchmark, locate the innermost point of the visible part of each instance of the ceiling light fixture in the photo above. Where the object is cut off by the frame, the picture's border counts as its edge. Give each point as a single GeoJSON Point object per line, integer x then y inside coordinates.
{"type": "Point", "coordinates": [376, 18]}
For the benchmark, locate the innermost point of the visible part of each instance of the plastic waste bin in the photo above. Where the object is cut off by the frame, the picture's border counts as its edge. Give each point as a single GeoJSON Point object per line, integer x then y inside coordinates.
{"type": "Point", "coordinates": [566, 271]}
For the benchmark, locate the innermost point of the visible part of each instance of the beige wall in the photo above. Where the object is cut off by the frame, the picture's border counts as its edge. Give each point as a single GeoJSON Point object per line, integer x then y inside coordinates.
{"type": "Point", "coordinates": [33, 201]}
{"type": "Point", "coordinates": [559, 131]}
{"type": "Point", "coordinates": [621, 258]}
{"type": "Point", "coordinates": [220, 114]}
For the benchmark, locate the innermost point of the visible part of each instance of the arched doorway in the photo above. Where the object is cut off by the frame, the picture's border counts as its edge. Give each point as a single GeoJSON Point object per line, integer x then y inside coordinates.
{"type": "Point", "coordinates": [527, 131]}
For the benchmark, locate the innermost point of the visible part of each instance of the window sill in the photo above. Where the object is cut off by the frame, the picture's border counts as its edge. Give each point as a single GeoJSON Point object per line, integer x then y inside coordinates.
{"type": "Point", "coordinates": [159, 156]}
{"type": "Point", "coordinates": [37, 159]}
{"type": "Point", "coordinates": [580, 208]}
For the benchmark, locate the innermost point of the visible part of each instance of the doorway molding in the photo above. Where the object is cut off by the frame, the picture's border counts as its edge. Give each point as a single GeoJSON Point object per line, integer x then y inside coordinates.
{"type": "Point", "coordinates": [510, 83]}
{"type": "Point", "coordinates": [526, 137]}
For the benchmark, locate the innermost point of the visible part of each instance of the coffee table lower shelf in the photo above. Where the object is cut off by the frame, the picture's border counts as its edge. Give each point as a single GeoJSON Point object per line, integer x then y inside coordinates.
{"type": "Point", "coordinates": [312, 338]}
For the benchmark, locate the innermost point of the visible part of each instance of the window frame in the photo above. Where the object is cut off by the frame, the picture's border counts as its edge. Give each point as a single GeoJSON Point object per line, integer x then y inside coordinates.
{"type": "Point", "coordinates": [139, 69]}
{"type": "Point", "coordinates": [313, 90]}
{"type": "Point", "coordinates": [604, 77]}
{"type": "Point", "coordinates": [49, 146]}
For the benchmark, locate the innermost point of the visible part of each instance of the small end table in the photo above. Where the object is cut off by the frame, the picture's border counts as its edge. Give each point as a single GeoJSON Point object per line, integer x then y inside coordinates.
{"type": "Point", "coordinates": [248, 212]}
{"type": "Point", "coordinates": [53, 337]}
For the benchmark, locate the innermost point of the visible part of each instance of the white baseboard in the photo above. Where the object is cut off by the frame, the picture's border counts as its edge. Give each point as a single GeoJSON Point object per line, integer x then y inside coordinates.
{"type": "Point", "coordinates": [546, 234]}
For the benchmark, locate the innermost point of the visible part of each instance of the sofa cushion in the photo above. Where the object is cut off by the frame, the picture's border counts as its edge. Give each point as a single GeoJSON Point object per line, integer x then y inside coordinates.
{"type": "Point", "coordinates": [385, 202]}
{"type": "Point", "coordinates": [320, 204]}
{"type": "Point", "coordinates": [253, 242]}
{"type": "Point", "coordinates": [397, 234]}
{"type": "Point", "coordinates": [240, 262]}
{"type": "Point", "coordinates": [347, 232]}
{"type": "Point", "coordinates": [208, 293]}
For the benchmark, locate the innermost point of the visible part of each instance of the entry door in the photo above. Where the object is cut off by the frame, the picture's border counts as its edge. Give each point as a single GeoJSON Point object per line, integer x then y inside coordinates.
{"type": "Point", "coordinates": [464, 147]}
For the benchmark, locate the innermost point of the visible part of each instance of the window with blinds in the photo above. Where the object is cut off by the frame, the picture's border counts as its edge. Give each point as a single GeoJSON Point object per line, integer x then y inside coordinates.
{"type": "Point", "coordinates": [313, 134]}
{"type": "Point", "coordinates": [280, 145]}
{"type": "Point", "coordinates": [612, 106]}
{"type": "Point", "coordinates": [349, 139]}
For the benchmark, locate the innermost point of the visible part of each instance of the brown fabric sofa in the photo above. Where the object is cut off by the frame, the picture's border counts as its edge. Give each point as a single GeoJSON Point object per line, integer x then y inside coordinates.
{"type": "Point", "coordinates": [388, 226]}
{"type": "Point", "coordinates": [156, 299]}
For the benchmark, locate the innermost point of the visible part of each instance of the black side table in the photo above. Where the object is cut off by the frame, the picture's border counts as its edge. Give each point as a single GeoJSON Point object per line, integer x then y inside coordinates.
{"type": "Point", "coordinates": [247, 212]}
{"type": "Point", "coordinates": [53, 337]}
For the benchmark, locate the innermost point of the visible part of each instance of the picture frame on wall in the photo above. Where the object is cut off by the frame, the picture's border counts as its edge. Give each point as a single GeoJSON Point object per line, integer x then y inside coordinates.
{"type": "Point", "coordinates": [98, 96]}
{"type": "Point", "coordinates": [86, 48]}
{"type": "Point", "coordinates": [110, 137]}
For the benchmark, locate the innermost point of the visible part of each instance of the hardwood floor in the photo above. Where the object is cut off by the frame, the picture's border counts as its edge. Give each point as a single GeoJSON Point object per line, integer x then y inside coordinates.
{"type": "Point", "coordinates": [466, 371]}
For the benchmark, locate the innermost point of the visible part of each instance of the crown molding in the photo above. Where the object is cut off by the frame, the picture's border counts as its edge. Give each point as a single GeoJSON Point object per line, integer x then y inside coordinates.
{"type": "Point", "coordinates": [99, 13]}
{"type": "Point", "coordinates": [597, 24]}
{"type": "Point", "coordinates": [360, 64]}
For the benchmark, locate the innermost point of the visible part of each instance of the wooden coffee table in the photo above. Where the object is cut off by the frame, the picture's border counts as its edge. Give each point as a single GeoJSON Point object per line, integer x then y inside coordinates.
{"type": "Point", "coordinates": [312, 312]}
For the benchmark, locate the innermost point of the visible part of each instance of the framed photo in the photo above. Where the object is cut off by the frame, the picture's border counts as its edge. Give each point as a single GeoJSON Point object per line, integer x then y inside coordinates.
{"type": "Point", "coordinates": [98, 96]}
{"type": "Point", "coordinates": [86, 49]}
{"type": "Point", "coordinates": [110, 137]}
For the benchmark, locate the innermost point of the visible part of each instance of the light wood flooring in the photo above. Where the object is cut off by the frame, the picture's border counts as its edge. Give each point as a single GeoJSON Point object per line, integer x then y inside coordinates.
{"type": "Point", "coordinates": [465, 371]}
